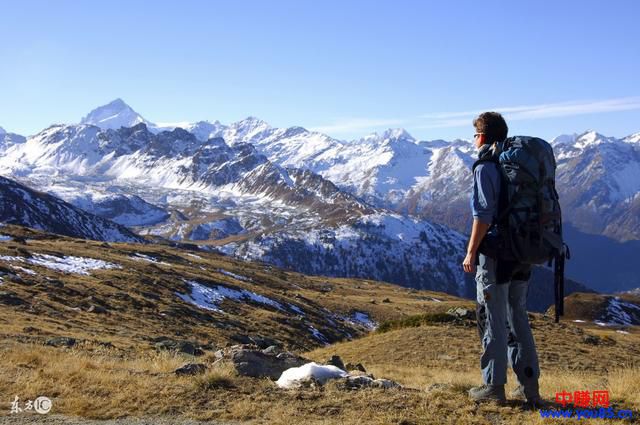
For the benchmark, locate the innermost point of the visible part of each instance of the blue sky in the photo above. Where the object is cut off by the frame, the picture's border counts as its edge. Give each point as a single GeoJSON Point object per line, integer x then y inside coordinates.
{"type": "Point", "coordinates": [343, 67]}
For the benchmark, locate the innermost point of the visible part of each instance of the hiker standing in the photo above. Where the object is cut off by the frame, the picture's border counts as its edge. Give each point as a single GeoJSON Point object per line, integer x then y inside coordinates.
{"type": "Point", "coordinates": [501, 284]}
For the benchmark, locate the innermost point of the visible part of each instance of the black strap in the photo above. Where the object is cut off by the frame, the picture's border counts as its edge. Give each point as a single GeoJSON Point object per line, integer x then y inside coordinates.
{"type": "Point", "coordinates": [558, 283]}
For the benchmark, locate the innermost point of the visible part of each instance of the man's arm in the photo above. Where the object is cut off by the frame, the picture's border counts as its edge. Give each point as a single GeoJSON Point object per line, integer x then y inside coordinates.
{"type": "Point", "coordinates": [484, 204]}
{"type": "Point", "coordinates": [478, 231]}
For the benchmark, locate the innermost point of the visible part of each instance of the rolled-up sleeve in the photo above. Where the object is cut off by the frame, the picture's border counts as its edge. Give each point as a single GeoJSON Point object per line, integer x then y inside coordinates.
{"type": "Point", "coordinates": [484, 201]}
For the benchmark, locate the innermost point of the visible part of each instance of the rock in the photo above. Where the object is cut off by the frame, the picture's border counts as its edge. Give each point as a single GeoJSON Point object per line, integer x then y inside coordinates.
{"type": "Point", "coordinates": [386, 300]}
{"type": "Point", "coordinates": [372, 301]}
{"type": "Point", "coordinates": [358, 367]}
{"type": "Point", "coordinates": [357, 382]}
{"type": "Point", "coordinates": [242, 339]}
{"type": "Point", "coordinates": [61, 341]}
{"type": "Point", "coordinates": [272, 349]}
{"type": "Point", "coordinates": [336, 361]}
{"type": "Point", "coordinates": [249, 361]}
{"type": "Point", "coordinates": [461, 313]}
{"type": "Point", "coordinates": [264, 342]}
{"type": "Point", "coordinates": [191, 369]}
{"type": "Point", "coordinates": [591, 339]}
{"type": "Point", "coordinates": [55, 283]}
{"type": "Point", "coordinates": [96, 309]}
{"type": "Point", "coordinates": [8, 298]}
{"type": "Point", "coordinates": [169, 344]}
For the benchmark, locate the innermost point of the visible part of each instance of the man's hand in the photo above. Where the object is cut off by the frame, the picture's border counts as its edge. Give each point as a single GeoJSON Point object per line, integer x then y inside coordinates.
{"type": "Point", "coordinates": [469, 263]}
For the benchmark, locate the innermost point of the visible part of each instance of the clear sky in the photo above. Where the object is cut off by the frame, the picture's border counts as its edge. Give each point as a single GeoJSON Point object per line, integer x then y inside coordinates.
{"type": "Point", "coordinates": [343, 67]}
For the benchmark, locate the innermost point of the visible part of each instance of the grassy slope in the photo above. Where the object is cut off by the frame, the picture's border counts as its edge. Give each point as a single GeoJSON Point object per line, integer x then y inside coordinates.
{"type": "Point", "coordinates": [436, 362]}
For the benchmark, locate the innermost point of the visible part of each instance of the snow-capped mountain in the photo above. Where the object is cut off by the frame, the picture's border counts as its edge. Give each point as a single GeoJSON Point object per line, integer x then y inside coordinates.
{"type": "Point", "coordinates": [114, 115]}
{"type": "Point", "coordinates": [23, 206]}
{"type": "Point", "coordinates": [599, 183]}
{"type": "Point", "coordinates": [128, 210]}
{"type": "Point", "coordinates": [244, 183]}
{"type": "Point", "coordinates": [9, 139]}
{"type": "Point", "coordinates": [233, 197]}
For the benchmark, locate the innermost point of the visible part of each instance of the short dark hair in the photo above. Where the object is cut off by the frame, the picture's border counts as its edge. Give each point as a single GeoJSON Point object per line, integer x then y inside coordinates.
{"type": "Point", "coordinates": [493, 125]}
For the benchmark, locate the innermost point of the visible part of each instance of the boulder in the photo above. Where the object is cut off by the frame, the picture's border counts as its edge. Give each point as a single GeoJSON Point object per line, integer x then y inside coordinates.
{"type": "Point", "coordinates": [8, 298]}
{"type": "Point", "coordinates": [191, 369]}
{"type": "Point", "coordinates": [336, 361]}
{"type": "Point", "coordinates": [249, 361]}
{"type": "Point", "coordinates": [168, 344]}
{"type": "Point", "coordinates": [61, 341]}
{"type": "Point", "coordinates": [94, 308]}
{"type": "Point", "coordinates": [264, 342]}
{"type": "Point", "coordinates": [357, 382]}
{"type": "Point", "coordinates": [273, 350]}
{"type": "Point", "coordinates": [461, 313]}
{"type": "Point", "coordinates": [359, 367]}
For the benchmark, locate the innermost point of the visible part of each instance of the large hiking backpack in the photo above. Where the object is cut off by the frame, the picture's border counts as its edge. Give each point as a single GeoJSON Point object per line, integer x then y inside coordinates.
{"type": "Point", "coordinates": [529, 222]}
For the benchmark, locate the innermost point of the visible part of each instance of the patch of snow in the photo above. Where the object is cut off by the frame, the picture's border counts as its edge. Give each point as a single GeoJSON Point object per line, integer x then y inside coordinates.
{"type": "Point", "coordinates": [362, 319]}
{"type": "Point", "coordinates": [618, 312]}
{"type": "Point", "coordinates": [233, 275]}
{"type": "Point", "coordinates": [318, 335]}
{"type": "Point", "coordinates": [23, 270]}
{"type": "Point", "coordinates": [622, 332]}
{"type": "Point", "coordinates": [296, 309]}
{"type": "Point", "coordinates": [5, 238]}
{"type": "Point", "coordinates": [66, 264]}
{"type": "Point", "coordinates": [579, 321]}
{"type": "Point", "coordinates": [295, 376]}
{"type": "Point", "coordinates": [147, 258]}
{"type": "Point", "coordinates": [197, 257]}
{"type": "Point", "coordinates": [209, 298]}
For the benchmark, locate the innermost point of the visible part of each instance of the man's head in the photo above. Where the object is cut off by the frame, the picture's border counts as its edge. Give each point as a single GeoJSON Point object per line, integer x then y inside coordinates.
{"type": "Point", "coordinates": [490, 127]}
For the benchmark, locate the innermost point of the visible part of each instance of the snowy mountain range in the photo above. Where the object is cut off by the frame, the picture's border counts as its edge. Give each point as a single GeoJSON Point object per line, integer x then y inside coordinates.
{"type": "Point", "coordinates": [23, 206]}
{"type": "Point", "coordinates": [234, 198]}
{"type": "Point", "coordinates": [280, 193]}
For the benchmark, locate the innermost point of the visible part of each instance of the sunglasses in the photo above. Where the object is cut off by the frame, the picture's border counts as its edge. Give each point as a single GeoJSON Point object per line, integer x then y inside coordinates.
{"type": "Point", "coordinates": [475, 136]}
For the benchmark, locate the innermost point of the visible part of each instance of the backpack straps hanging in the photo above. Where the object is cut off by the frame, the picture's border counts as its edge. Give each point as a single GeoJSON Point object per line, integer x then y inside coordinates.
{"type": "Point", "coordinates": [558, 280]}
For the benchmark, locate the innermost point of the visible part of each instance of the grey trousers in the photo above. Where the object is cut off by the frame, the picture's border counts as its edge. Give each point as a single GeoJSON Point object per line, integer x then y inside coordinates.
{"type": "Point", "coordinates": [504, 328]}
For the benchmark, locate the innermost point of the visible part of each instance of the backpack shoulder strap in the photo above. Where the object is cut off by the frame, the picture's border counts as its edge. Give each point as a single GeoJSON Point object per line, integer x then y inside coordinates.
{"type": "Point", "coordinates": [486, 155]}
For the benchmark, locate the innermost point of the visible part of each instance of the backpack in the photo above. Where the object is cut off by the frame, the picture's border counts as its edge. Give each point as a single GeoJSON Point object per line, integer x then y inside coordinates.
{"type": "Point", "coordinates": [529, 222]}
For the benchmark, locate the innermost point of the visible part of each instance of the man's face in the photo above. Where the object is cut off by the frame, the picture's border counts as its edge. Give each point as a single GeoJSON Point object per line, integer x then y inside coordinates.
{"type": "Point", "coordinates": [479, 139]}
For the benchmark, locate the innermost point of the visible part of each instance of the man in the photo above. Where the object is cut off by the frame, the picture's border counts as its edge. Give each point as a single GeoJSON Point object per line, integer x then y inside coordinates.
{"type": "Point", "coordinates": [501, 285]}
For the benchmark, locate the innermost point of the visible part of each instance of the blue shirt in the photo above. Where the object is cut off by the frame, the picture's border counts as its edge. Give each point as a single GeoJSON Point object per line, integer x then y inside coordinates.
{"type": "Point", "coordinates": [486, 190]}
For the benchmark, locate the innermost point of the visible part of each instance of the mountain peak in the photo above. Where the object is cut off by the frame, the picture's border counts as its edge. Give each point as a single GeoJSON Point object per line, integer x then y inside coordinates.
{"type": "Point", "coordinates": [397, 133]}
{"type": "Point", "coordinates": [2, 131]}
{"type": "Point", "coordinates": [114, 115]}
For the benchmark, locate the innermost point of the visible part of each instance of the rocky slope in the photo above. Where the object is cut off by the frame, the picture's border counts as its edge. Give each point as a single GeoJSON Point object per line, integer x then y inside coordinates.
{"type": "Point", "coordinates": [23, 206]}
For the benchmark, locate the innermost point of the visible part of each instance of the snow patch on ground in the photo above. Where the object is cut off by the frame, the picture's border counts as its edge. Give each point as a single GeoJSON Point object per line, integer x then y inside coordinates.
{"type": "Point", "coordinates": [209, 298]}
{"type": "Point", "coordinates": [318, 335]}
{"type": "Point", "coordinates": [233, 275]}
{"type": "Point", "coordinates": [67, 264]}
{"type": "Point", "coordinates": [296, 309]}
{"type": "Point", "coordinates": [5, 238]}
{"type": "Point", "coordinates": [620, 312]}
{"type": "Point", "coordinates": [147, 258]}
{"type": "Point", "coordinates": [361, 319]}
{"type": "Point", "coordinates": [23, 270]}
{"type": "Point", "coordinates": [293, 377]}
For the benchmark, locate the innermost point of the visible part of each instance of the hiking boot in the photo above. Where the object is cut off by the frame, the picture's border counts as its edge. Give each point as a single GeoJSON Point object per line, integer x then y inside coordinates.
{"type": "Point", "coordinates": [530, 395]}
{"type": "Point", "coordinates": [488, 393]}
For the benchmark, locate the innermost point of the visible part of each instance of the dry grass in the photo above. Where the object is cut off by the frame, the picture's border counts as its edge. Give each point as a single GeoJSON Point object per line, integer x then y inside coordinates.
{"type": "Point", "coordinates": [436, 362]}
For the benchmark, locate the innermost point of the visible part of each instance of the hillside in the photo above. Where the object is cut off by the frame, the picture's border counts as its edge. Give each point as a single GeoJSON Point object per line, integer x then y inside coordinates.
{"type": "Point", "coordinates": [86, 323]}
